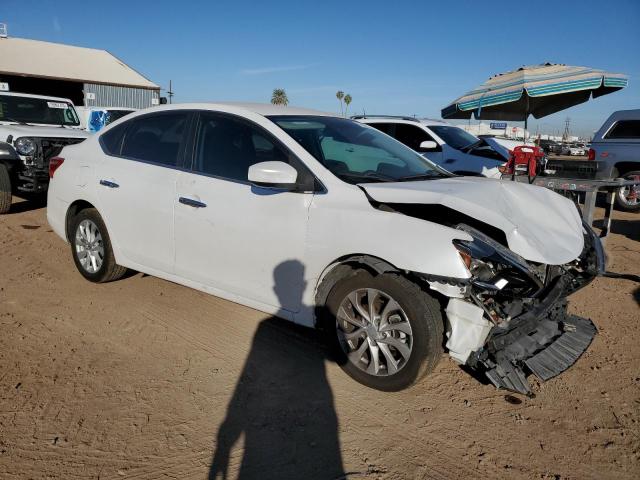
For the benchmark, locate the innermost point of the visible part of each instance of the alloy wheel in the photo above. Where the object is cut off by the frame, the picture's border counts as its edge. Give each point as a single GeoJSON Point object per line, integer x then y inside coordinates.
{"type": "Point", "coordinates": [89, 246]}
{"type": "Point", "coordinates": [374, 332]}
{"type": "Point", "coordinates": [630, 195]}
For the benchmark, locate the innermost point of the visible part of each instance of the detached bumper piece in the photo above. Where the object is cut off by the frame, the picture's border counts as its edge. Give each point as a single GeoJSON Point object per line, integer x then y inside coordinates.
{"type": "Point", "coordinates": [544, 341]}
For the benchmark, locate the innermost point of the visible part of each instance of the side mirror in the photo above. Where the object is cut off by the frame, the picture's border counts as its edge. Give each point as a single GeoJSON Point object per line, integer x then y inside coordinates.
{"type": "Point", "coordinates": [428, 145]}
{"type": "Point", "coordinates": [273, 174]}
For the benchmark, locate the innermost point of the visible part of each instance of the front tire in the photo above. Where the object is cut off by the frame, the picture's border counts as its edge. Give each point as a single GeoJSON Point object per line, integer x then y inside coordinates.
{"type": "Point", "coordinates": [387, 332]}
{"type": "Point", "coordinates": [91, 248]}
{"type": "Point", "coordinates": [5, 189]}
{"type": "Point", "coordinates": [628, 198]}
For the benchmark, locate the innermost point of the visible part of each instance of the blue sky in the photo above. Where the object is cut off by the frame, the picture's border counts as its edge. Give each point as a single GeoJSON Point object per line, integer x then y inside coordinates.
{"type": "Point", "coordinates": [394, 57]}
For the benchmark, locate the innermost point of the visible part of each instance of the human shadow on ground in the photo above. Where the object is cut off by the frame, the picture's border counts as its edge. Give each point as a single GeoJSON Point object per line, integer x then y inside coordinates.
{"type": "Point", "coordinates": [282, 406]}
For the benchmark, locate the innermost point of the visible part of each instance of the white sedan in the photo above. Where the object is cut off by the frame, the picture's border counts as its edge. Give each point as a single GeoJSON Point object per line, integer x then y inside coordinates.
{"type": "Point", "coordinates": [330, 223]}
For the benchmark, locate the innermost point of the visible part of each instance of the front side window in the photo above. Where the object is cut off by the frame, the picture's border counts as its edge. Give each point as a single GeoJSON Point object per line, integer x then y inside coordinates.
{"type": "Point", "coordinates": [19, 109]}
{"type": "Point", "coordinates": [454, 137]}
{"type": "Point", "coordinates": [355, 152]}
{"type": "Point", "coordinates": [625, 129]}
{"type": "Point", "coordinates": [226, 147]}
{"type": "Point", "coordinates": [156, 138]}
{"type": "Point", "coordinates": [411, 135]}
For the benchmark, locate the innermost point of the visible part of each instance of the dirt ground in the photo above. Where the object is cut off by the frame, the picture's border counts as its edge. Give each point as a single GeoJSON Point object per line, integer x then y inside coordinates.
{"type": "Point", "coordinates": [142, 378]}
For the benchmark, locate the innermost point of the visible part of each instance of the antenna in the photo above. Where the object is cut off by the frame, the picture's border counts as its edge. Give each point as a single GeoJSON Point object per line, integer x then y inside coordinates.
{"type": "Point", "coordinates": [3, 30]}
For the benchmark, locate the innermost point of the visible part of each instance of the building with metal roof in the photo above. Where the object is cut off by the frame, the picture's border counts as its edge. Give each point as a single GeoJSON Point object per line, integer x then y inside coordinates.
{"type": "Point", "coordinates": [87, 76]}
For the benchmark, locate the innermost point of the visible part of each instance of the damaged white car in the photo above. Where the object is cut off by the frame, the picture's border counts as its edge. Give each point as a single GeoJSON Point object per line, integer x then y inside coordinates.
{"type": "Point", "coordinates": [330, 223]}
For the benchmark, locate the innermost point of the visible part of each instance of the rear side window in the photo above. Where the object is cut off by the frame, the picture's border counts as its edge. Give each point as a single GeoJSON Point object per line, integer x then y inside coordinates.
{"type": "Point", "coordinates": [112, 140]}
{"type": "Point", "coordinates": [227, 147]}
{"type": "Point", "coordinates": [383, 127]}
{"type": "Point", "coordinates": [156, 138]}
{"type": "Point", "coordinates": [625, 129]}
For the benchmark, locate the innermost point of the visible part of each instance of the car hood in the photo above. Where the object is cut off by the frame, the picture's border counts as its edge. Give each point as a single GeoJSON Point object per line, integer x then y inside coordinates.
{"type": "Point", "coordinates": [40, 131]}
{"type": "Point", "coordinates": [502, 146]}
{"type": "Point", "coordinates": [539, 225]}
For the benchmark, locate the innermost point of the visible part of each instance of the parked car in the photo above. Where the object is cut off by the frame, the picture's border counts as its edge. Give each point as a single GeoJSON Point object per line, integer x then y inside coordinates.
{"type": "Point", "coordinates": [549, 146]}
{"type": "Point", "coordinates": [33, 129]}
{"type": "Point", "coordinates": [94, 119]}
{"type": "Point", "coordinates": [616, 146]}
{"type": "Point", "coordinates": [573, 150]}
{"type": "Point", "coordinates": [330, 223]}
{"type": "Point", "coordinates": [444, 144]}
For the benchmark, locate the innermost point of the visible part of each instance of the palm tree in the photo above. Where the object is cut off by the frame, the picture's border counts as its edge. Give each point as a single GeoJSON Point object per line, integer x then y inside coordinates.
{"type": "Point", "coordinates": [279, 97]}
{"type": "Point", "coordinates": [347, 101]}
{"type": "Point", "coordinates": [340, 96]}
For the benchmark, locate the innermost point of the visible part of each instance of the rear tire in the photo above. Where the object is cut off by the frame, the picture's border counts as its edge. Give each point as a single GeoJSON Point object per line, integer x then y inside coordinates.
{"type": "Point", "coordinates": [91, 248]}
{"type": "Point", "coordinates": [5, 189]}
{"type": "Point", "coordinates": [400, 346]}
{"type": "Point", "coordinates": [623, 202]}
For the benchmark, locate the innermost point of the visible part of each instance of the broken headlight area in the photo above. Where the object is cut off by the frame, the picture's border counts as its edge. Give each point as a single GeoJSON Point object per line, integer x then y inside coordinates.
{"type": "Point", "coordinates": [512, 320]}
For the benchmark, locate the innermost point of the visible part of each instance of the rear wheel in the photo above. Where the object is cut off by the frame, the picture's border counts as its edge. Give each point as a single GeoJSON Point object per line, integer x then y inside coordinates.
{"type": "Point", "coordinates": [91, 248]}
{"type": "Point", "coordinates": [5, 189]}
{"type": "Point", "coordinates": [628, 198]}
{"type": "Point", "coordinates": [387, 331]}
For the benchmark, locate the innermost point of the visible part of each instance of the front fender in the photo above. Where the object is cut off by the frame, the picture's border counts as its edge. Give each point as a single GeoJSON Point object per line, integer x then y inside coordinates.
{"type": "Point", "coordinates": [407, 243]}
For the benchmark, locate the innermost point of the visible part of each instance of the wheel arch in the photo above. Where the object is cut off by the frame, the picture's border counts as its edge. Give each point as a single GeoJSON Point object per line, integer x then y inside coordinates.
{"type": "Point", "coordinates": [621, 168]}
{"type": "Point", "coordinates": [341, 267]}
{"type": "Point", "coordinates": [74, 209]}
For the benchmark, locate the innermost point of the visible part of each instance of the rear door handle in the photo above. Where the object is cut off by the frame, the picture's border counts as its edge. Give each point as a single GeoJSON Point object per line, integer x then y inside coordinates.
{"type": "Point", "coordinates": [191, 202]}
{"type": "Point", "coordinates": [109, 184]}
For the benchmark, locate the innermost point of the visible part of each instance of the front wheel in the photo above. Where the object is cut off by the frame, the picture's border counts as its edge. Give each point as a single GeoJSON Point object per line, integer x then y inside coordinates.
{"type": "Point", "coordinates": [5, 189]}
{"type": "Point", "coordinates": [388, 332]}
{"type": "Point", "coordinates": [628, 198]}
{"type": "Point", "coordinates": [91, 248]}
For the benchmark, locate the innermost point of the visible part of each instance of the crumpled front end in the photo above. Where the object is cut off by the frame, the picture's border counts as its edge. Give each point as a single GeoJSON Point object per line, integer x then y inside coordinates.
{"type": "Point", "coordinates": [510, 319]}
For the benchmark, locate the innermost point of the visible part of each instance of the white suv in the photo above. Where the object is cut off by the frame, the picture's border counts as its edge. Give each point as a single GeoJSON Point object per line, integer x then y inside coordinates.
{"type": "Point", "coordinates": [446, 145]}
{"type": "Point", "coordinates": [33, 129]}
{"type": "Point", "coordinates": [330, 223]}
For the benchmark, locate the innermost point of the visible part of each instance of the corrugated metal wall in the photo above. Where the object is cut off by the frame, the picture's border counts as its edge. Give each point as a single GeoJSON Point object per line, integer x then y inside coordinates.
{"type": "Point", "coordinates": [112, 96]}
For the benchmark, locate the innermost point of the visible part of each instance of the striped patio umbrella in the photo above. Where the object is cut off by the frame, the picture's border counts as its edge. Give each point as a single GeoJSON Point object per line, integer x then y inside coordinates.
{"type": "Point", "coordinates": [537, 90]}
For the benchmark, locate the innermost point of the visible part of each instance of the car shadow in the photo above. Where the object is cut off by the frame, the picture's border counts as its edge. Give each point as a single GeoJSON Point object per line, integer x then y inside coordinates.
{"type": "Point", "coordinates": [282, 405]}
{"type": "Point", "coordinates": [27, 204]}
{"type": "Point", "coordinates": [628, 228]}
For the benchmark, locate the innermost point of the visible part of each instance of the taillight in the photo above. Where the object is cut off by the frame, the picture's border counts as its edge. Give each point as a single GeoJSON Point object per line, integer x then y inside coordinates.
{"type": "Point", "coordinates": [591, 155]}
{"type": "Point", "coordinates": [54, 164]}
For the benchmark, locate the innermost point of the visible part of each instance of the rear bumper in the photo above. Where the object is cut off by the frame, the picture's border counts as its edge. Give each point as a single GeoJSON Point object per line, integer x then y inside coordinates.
{"type": "Point", "coordinates": [544, 341]}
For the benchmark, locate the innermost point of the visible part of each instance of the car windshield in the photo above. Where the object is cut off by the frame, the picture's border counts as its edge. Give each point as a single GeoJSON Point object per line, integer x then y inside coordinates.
{"type": "Point", "coordinates": [19, 109]}
{"type": "Point", "coordinates": [355, 152]}
{"type": "Point", "coordinates": [455, 137]}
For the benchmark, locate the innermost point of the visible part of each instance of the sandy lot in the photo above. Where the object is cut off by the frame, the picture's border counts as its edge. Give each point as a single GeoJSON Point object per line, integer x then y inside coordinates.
{"type": "Point", "coordinates": [142, 378]}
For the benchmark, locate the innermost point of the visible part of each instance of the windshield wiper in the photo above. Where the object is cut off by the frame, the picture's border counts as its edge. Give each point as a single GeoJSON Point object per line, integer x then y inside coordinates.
{"type": "Point", "coordinates": [422, 176]}
{"type": "Point", "coordinates": [471, 146]}
{"type": "Point", "coordinates": [368, 176]}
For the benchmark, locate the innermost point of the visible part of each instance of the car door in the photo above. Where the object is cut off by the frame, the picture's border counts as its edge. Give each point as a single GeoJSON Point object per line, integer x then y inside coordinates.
{"type": "Point", "coordinates": [230, 234]}
{"type": "Point", "coordinates": [137, 179]}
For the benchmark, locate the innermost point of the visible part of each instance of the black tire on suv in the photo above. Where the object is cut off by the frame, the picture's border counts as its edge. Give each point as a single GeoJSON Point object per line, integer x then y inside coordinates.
{"type": "Point", "coordinates": [91, 248]}
{"type": "Point", "coordinates": [623, 202]}
{"type": "Point", "coordinates": [5, 189]}
{"type": "Point", "coordinates": [406, 335]}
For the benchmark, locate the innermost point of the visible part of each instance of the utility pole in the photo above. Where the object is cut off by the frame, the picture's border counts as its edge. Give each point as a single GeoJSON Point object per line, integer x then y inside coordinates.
{"type": "Point", "coordinates": [170, 92]}
{"type": "Point", "coordinates": [565, 135]}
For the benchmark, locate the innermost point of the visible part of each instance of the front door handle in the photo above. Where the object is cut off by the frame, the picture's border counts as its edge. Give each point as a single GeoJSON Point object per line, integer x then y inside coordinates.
{"type": "Point", "coordinates": [109, 184]}
{"type": "Point", "coordinates": [191, 202]}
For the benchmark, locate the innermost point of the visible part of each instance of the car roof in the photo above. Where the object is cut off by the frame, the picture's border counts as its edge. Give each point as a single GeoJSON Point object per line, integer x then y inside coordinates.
{"type": "Point", "coordinates": [264, 109]}
{"type": "Point", "coordinates": [44, 97]}
{"type": "Point", "coordinates": [400, 119]}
